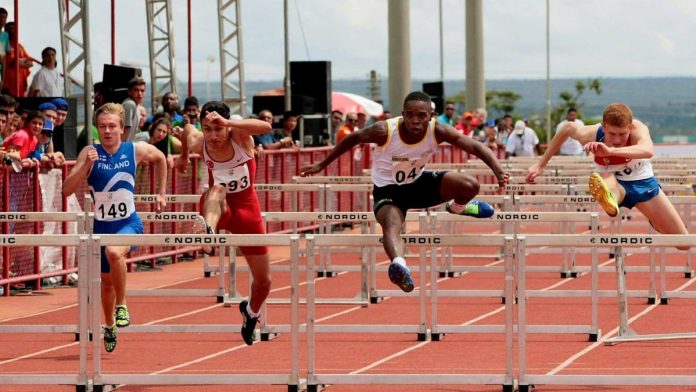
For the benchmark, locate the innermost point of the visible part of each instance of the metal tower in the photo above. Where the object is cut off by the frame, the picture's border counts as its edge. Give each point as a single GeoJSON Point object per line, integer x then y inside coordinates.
{"type": "Point", "coordinates": [231, 56]}
{"type": "Point", "coordinates": [161, 47]}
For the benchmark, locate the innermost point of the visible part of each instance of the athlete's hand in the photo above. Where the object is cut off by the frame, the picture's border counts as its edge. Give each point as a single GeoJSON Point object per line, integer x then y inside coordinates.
{"type": "Point", "coordinates": [599, 149]}
{"type": "Point", "coordinates": [216, 118]}
{"type": "Point", "coordinates": [310, 169]}
{"type": "Point", "coordinates": [161, 204]}
{"type": "Point", "coordinates": [92, 156]}
{"type": "Point", "coordinates": [503, 181]}
{"type": "Point", "coordinates": [181, 164]}
{"type": "Point", "coordinates": [533, 172]}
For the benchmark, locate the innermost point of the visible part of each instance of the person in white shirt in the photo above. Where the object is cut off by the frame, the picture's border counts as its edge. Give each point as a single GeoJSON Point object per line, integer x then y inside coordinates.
{"type": "Point", "coordinates": [571, 147]}
{"type": "Point", "coordinates": [523, 142]}
{"type": "Point", "coordinates": [48, 82]}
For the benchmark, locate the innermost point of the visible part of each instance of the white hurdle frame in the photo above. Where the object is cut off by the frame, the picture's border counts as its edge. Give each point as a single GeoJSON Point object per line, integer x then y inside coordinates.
{"type": "Point", "coordinates": [81, 243]}
{"type": "Point", "coordinates": [507, 219]}
{"type": "Point", "coordinates": [292, 378]}
{"type": "Point", "coordinates": [526, 380]}
{"type": "Point", "coordinates": [314, 380]}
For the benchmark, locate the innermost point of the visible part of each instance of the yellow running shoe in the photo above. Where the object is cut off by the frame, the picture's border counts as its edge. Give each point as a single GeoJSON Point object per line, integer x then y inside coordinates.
{"type": "Point", "coordinates": [603, 195]}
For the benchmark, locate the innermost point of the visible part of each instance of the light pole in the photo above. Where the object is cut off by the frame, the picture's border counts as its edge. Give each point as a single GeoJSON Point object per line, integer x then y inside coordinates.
{"type": "Point", "coordinates": [548, 77]}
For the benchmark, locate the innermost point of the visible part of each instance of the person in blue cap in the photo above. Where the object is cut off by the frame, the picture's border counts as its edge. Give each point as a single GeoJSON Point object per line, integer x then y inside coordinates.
{"type": "Point", "coordinates": [44, 152]}
{"type": "Point", "coordinates": [61, 105]}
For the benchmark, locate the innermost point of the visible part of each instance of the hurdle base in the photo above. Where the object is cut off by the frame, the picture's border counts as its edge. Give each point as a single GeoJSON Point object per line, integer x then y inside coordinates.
{"type": "Point", "coordinates": [443, 274]}
{"type": "Point", "coordinates": [437, 336]}
{"type": "Point", "coordinates": [376, 300]}
{"type": "Point", "coordinates": [422, 336]}
{"type": "Point", "coordinates": [594, 337]}
{"type": "Point", "coordinates": [268, 336]}
{"type": "Point", "coordinates": [664, 301]}
{"type": "Point", "coordinates": [634, 337]}
{"type": "Point", "coordinates": [326, 274]}
{"type": "Point", "coordinates": [689, 275]}
{"type": "Point", "coordinates": [521, 388]}
{"type": "Point", "coordinates": [77, 336]}
{"type": "Point", "coordinates": [508, 388]}
{"type": "Point", "coordinates": [315, 388]}
{"type": "Point", "coordinates": [652, 300]}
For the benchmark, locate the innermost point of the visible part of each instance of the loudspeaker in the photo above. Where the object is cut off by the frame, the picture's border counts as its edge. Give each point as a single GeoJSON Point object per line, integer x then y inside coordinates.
{"type": "Point", "coordinates": [314, 132]}
{"type": "Point", "coordinates": [311, 80]}
{"type": "Point", "coordinates": [116, 78]}
{"type": "Point", "coordinates": [274, 103]}
{"type": "Point", "coordinates": [64, 136]}
{"type": "Point", "coordinates": [436, 90]}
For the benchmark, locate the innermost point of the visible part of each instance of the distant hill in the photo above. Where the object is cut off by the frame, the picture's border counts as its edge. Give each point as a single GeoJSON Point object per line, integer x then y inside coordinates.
{"type": "Point", "coordinates": [667, 105]}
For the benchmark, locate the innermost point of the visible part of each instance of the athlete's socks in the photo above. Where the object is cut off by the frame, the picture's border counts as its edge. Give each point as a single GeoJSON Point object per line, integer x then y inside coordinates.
{"type": "Point", "coordinates": [252, 314]}
{"type": "Point", "coordinates": [457, 208]}
{"type": "Point", "coordinates": [399, 260]}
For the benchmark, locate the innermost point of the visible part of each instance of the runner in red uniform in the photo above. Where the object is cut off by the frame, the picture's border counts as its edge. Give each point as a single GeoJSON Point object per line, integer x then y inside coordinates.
{"type": "Point", "coordinates": [230, 203]}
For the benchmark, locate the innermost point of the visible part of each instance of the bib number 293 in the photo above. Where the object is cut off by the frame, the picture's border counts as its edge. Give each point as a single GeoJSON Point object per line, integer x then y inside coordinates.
{"type": "Point", "coordinates": [237, 185]}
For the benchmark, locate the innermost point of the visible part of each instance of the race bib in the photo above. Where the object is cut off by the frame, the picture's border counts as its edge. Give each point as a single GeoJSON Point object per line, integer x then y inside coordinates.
{"type": "Point", "coordinates": [234, 180]}
{"type": "Point", "coordinates": [405, 171]}
{"type": "Point", "coordinates": [113, 206]}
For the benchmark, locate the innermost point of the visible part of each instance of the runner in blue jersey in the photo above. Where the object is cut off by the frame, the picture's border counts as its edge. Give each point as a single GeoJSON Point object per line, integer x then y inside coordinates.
{"type": "Point", "coordinates": [110, 168]}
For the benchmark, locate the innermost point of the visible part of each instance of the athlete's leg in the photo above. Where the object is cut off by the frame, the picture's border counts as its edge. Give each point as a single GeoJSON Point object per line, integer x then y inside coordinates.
{"type": "Point", "coordinates": [261, 284]}
{"type": "Point", "coordinates": [663, 216]}
{"type": "Point", "coordinates": [458, 186]}
{"type": "Point", "coordinates": [607, 192]}
{"type": "Point", "coordinates": [214, 205]}
{"type": "Point", "coordinates": [116, 255]}
{"type": "Point", "coordinates": [108, 299]}
{"type": "Point", "coordinates": [391, 219]}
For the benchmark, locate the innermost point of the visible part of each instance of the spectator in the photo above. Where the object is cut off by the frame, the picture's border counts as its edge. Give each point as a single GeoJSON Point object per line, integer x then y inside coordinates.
{"type": "Point", "coordinates": [136, 93]}
{"type": "Point", "coordinates": [491, 137]}
{"type": "Point", "coordinates": [348, 127]}
{"type": "Point", "coordinates": [49, 111]}
{"type": "Point", "coordinates": [571, 147]}
{"type": "Point", "coordinates": [13, 124]}
{"type": "Point", "coordinates": [44, 152]}
{"type": "Point", "coordinates": [20, 144]}
{"type": "Point", "coordinates": [4, 126]}
{"type": "Point", "coordinates": [143, 117]}
{"type": "Point", "coordinates": [268, 141]}
{"type": "Point", "coordinates": [289, 133]}
{"type": "Point", "coordinates": [170, 105]}
{"type": "Point", "coordinates": [362, 120]}
{"type": "Point", "coordinates": [61, 111]}
{"type": "Point", "coordinates": [192, 112]}
{"type": "Point", "coordinates": [336, 120]}
{"type": "Point", "coordinates": [8, 104]}
{"type": "Point", "coordinates": [448, 117]}
{"type": "Point", "coordinates": [48, 81]}
{"type": "Point", "coordinates": [4, 38]}
{"type": "Point", "coordinates": [505, 129]}
{"type": "Point", "coordinates": [100, 93]}
{"type": "Point", "coordinates": [14, 83]}
{"type": "Point", "coordinates": [160, 136]}
{"type": "Point", "coordinates": [465, 125]}
{"type": "Point", "coordinates": [523, 142]}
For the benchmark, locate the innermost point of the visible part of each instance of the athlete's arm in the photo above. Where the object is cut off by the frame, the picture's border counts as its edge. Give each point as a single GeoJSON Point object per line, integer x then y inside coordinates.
{"type": "Point", "coordinates": [376, 133]}
{"type": "Point", "coordinates": [245, 127]}
{"type": "Point", "coordinates": [583, 134]}
{"type": "Point", "coordinates": [446, 133]}
{"type": "Point", "coordinates": [640, 145]}
{"type": "Point", "coordinates": [191, 140]}
{"type": "Point", "coordinates": [81, 170]}
{"type": "Point", "coordinates": [145, 152]}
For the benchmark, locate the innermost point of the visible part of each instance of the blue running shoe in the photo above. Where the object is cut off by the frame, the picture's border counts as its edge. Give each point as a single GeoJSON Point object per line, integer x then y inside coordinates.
{"type": "Point", "coordinates": [401, 276]}
{"type": "Point", "coordinates": [475, 208]}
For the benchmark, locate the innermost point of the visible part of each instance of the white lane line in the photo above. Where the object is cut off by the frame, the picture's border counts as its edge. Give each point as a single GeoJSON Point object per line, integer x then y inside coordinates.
{"type": "Point", "coordinates": [591, 347]}
{"type": "Point", "coordinates": [48, 350]}
{"type": "Point", "coordinates": [39, 313]}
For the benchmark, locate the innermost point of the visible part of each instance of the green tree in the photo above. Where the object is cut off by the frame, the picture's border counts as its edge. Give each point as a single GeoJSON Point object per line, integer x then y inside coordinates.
{"type": "Point", "coordinates": [502, 101]}
{"type": "Point", "coordinates": [572, 100]}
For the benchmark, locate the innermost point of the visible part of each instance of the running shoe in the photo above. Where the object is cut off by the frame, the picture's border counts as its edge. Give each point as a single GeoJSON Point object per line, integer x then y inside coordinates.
{"type": "Point", "coordinates": [248, 323]}
{"type": "Point", "coordinates": [601, 193]}
{"type": "Point", "coordinates": [122, 316]}
{"type": "Point", "coordinates": [201, 227]}
{"type": "Point", "coordinates": [401, 276]}
{"type": "Point", "coordinates": [475, 208]}
{"type": "Point", "coordinates": [110, 338]}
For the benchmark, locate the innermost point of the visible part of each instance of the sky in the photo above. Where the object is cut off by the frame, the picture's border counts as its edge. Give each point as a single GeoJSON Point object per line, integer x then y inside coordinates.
{"type": "Point", "coordinates": [590, 38]}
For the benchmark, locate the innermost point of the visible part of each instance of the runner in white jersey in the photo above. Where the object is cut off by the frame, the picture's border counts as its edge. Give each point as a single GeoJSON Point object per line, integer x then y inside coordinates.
{"type": "Point", "coordinates": [404, 146]}
{"type": "Point", "coordinates": [622, 150]}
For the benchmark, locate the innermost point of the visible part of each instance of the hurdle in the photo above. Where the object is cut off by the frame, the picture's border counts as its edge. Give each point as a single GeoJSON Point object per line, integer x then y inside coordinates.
{"type": "Point", "coordinates": [100, 379]}
{"type": "Point", "coordinates": [526, 379]}
{"type": "Point", "coordinates": [511, 221]}
{"type": "Point", "coordinates": [79, 378]}
{"type": "Point", "coordinates": [315, 379]}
